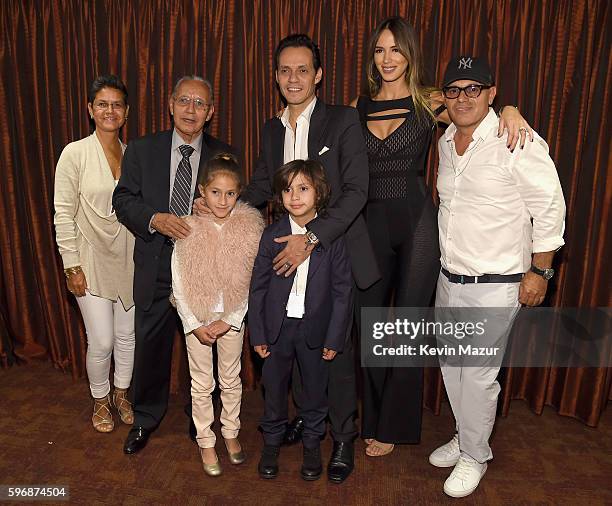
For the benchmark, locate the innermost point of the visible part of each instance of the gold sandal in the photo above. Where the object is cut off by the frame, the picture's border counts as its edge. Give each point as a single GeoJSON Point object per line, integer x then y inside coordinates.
{"type": "Point", "coordinates": [124, 407]}
{"type": "Point", "coordinates": [102, 418]}
{"type": "Point", "coordinates": [378, 449]}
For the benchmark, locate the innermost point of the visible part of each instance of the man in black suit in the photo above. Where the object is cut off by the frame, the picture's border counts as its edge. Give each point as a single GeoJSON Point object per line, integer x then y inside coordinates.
{"type": "Point", "coordinates": [311, 129]}
{"type": "Point", "coordinates": [157, 185]}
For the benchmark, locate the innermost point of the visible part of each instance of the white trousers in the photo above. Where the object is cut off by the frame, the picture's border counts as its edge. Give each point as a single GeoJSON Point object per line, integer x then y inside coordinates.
{"type": "Point", "coordinates": [110, 330]}
{"type": "Point", "coordinates": [473, 391]}
{"type": "Point", "coordinates": [229, 352]}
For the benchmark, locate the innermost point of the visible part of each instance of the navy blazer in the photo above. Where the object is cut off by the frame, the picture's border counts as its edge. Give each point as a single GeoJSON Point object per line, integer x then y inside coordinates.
{"type": "Point", "coordinates": [335, 138]}
{"type": "Point", "coordinates": [142, 191]}
{"type": "Point", "coordinates": [328, 300]}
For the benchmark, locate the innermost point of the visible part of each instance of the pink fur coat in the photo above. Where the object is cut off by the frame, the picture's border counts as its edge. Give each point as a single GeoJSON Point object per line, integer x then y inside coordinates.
{"type": "Point", "coordinates": [213, 260]}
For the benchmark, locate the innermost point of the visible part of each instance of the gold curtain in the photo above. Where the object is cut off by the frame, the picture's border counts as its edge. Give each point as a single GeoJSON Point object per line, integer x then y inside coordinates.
{"type": "Point", "coordinates": [551, 58]}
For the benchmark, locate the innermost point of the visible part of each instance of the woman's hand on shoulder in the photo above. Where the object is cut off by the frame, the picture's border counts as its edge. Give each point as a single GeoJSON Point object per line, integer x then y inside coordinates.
{"type": "Point", "coordinates": [510, 119]}
{"type": "Point", "coordinates": [354, 102]}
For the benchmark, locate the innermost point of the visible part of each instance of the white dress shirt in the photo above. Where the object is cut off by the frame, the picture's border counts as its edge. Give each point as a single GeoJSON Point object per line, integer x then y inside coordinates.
{"type": "Point", "coordinates": [296, 143]}
{"type": "Point", "coordinates": [295, 304]}
{"type": "Point", "coordinates": [189, 320]}
{"type": "Point", "coordinates": [175, 158]}
{"type": "Point", "coordinates": [489, 198]}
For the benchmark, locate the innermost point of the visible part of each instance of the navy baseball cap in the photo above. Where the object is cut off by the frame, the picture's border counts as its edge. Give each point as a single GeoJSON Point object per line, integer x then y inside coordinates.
{"type": "Point", "coordinates": [468, 67]}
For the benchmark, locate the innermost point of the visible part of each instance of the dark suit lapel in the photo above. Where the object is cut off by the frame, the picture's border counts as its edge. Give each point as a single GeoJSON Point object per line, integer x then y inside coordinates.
{"type": "Point", "coordinates": [283, 228]}
{"type": "Point", "coordinates": [315, 261]}
{"type": "Point", "coordinates": [161, 170]}
{"type": "Point", "coordinates": [316, 131]}
{"type": "Point", "coordinates": [278, 144]}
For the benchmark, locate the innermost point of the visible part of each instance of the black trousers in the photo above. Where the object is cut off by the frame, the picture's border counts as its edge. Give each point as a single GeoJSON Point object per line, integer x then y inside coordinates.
{"type": "Point", "coordinates": [341, 392]}
{"type": "Point", "coordinates": [276, 373]}
{"type": "Point", "coordinates": [155, 330]}
{"type": "Point", "coordinates": [405, 242]}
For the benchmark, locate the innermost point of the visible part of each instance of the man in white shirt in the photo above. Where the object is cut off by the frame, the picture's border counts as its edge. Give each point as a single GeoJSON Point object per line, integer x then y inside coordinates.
{"type": "Point", "coordinates": [501, 219]}
{"type": "Point", "coordinates": [331, 134]}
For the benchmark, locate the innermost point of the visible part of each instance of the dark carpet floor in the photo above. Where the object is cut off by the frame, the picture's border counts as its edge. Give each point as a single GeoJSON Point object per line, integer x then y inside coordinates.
{"type": "Point", "coordinates": [46, 439]}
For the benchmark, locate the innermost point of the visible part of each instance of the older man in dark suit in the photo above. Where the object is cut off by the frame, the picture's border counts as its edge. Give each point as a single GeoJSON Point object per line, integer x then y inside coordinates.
{"type": "Point", "coordinates": [332, 135]}
{"type": "Point", "coordinates": [157, 186]}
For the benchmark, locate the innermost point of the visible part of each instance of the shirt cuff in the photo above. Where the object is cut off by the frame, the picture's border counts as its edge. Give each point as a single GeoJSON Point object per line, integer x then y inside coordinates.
{"type": "Point", "coordinates": [190, 323]}
{"type": "Point", "coordinates": [545, 245]}
{"type": "Point", "coordinates": [71, 259]}
{"type": "Point", "coordinates": [151, 229]}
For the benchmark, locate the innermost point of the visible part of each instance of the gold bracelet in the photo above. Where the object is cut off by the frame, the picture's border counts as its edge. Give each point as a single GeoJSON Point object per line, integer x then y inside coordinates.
{"type": "Point", "coordinates": [72, 270]}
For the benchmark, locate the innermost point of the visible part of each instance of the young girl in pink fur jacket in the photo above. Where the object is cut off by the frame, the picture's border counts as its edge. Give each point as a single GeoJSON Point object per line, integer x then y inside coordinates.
{"type": "Point", "coordinates": [211, 271]}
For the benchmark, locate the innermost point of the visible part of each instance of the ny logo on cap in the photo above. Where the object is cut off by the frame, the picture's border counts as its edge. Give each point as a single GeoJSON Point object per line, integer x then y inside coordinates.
{"type": "Point", "coordinates": [465, 63]}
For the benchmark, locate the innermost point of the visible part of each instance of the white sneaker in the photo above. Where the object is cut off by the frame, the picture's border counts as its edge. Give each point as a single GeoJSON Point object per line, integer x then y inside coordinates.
{"type": "Point", "coordinates": [465, 477]}
{"type": "Point", "coordinates": [447, 455]}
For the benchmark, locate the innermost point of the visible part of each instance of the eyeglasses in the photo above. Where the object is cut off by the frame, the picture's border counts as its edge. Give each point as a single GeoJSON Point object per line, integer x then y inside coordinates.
{"type": "Point", "coordinates": [471, 90]}
{"type": "Point", "coordinates": [197, 102]}
{"type": "Point", "coordinates": [102, 106]}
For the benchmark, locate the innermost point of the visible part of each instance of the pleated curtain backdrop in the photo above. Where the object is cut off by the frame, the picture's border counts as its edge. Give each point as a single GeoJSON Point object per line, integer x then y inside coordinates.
{"type": "Point", "coordinates": [551, 58]}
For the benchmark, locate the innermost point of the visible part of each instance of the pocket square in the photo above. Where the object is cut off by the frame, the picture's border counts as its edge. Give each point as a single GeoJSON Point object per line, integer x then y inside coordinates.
{"type": "Point", "coordinates": [324, 150]}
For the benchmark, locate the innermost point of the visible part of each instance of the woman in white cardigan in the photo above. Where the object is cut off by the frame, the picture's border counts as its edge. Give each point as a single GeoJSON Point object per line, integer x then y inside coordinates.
{"type": "Point", "coordinates": [97, 250]}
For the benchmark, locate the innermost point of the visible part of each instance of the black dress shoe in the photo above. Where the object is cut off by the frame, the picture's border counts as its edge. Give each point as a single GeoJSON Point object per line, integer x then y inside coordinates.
{"type": "Point", "coordinates": [193, 432]}
{"type": "Point", "coordinates": [294, 431]}
{"type": "Point", "coordinates": [342, 461]}
{"type": "Point", "coordinates": [311, 466]}
{"type": "Point", "coordinates": [268, 463]}
{"type": "Point", "coordinates": [136, 440]}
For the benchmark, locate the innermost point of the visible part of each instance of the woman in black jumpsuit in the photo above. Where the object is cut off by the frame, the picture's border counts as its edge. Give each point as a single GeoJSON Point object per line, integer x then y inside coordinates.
{"type": "Point", "coordinates": [399, 119]}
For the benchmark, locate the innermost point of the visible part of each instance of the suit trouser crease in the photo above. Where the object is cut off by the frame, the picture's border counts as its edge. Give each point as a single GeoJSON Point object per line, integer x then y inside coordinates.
{"type": "Point", "coordinates": [341, 392]}
{"type": "Point", "coordinates": [276, 374]}
{"type": "Point", "coordinates": [473, 391]}
{"type": "Point", "coordinates": [155, 331]}
{"type": "Point", "coordinates": [229, 352]}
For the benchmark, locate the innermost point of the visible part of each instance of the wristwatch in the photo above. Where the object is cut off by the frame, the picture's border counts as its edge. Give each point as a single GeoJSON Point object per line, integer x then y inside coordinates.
{"type": "Point", "coordinates": [311, 238]}
{"type": "Point", "coordinates": [545, 273]}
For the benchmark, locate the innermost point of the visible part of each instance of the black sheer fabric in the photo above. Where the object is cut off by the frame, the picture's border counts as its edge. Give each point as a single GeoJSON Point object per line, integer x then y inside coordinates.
{"type": "Point", "coordinates": [402, 223]}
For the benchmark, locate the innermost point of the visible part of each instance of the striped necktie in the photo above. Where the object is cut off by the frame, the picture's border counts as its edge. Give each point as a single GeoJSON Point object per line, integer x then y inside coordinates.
{"type": "Point", "coordinates": [181, 191]}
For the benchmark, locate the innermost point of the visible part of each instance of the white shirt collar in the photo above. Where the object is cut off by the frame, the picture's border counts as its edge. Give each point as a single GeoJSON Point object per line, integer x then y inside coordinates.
{"type": "Point", "coordinates": [177, 141]}
{"type": "Point", "coordinates": [295, 228]}
{"type": "Point", "coordinates": [306, 113]}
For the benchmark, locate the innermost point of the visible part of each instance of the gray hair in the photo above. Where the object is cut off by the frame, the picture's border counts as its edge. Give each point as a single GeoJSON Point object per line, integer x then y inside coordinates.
{"type": "Point", "coordinates": [193, 77]}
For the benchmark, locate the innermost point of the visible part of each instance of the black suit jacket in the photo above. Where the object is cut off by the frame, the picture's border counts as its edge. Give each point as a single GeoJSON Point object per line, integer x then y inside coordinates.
{"type": "Point", "coordinates": [345, 160]}
{"type": "Point", "coordinates": [142, 191]}
{"type": "Point", "coordinates": [328, 300]}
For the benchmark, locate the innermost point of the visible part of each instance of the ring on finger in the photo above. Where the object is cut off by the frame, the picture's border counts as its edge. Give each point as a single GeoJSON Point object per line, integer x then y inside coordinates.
{"type": "Point", "coordinates": [522, 129]}
{"type": "Point", "coordinates": [287, 264]}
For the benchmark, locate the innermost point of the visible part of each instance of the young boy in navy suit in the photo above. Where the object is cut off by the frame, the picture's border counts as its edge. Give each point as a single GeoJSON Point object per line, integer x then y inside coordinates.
{"type": "Point", "coordinates": [304, 316]}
